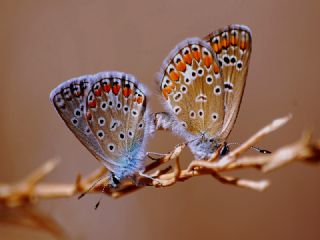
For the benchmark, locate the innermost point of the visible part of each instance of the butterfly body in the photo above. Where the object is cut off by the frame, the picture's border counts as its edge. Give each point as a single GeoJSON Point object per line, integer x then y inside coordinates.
{"type": "Point", "coordinates": [108, 113]}
{"type": "Point", "coordinates": [202, 82]}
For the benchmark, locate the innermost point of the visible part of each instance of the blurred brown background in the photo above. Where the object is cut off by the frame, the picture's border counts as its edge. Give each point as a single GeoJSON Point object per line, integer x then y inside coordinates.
{"type": "Point", "coordinates": [43, 43]}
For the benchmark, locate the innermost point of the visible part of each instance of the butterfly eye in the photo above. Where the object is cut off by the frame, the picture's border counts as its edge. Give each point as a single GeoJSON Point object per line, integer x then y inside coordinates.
{"type": "Point", "coordinates": [100, 134]}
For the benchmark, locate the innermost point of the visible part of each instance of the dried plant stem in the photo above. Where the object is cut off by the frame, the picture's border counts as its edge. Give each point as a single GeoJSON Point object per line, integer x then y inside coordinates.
{"type": "Point", "coordinates": [31, 189]}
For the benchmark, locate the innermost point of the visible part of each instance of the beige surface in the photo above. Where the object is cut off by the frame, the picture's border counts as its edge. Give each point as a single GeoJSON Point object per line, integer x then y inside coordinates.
{"type": "Point", "coordinates": [43, 43]}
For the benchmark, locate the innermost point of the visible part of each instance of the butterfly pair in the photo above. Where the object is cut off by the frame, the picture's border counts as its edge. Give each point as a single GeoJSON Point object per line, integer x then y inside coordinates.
{"type": "Point", "coordinates": [201, 81]}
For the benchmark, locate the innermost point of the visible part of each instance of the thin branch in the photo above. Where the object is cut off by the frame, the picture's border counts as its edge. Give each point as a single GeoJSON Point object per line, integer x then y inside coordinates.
{"type": "Point", "coordinates": [30, 189]}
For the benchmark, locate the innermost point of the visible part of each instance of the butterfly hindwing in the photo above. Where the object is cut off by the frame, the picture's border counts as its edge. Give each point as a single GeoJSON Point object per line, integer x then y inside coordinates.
{"type": "Point", "coordinates": [69, 100]}
{"type": "Point", "coordinates": [116, 113]}
{"type": "Point", "coordinates": [232, 45]}
{"type": "Point", "coordinates": [192, 85]}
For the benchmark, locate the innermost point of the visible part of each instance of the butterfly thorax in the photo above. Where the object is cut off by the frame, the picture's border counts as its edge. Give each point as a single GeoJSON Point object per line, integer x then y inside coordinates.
{"type": "Point", "coordinates": [130, 163]}
{"type": "Point", "coordinates": [203, 148]}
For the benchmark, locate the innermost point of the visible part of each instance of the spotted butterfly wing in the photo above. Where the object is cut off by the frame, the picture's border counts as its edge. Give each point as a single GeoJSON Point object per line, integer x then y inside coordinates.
{"type": "Point", "coordinates": [116, 113]}
{"type": "Point", "coordinates": [69, 101]}
{"type": "Point", "coordinates": [232, 45]}
{"type": "Point", "coordinates": [192, 85]}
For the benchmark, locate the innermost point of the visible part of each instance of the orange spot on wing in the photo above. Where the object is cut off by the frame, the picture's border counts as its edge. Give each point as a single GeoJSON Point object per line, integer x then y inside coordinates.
{"type": "Point", "coordinates": [234, 40]}
{"type": "Point", "coordinates": [166, 91]}
{"type": "Point", "coordinates": [207, 61]}
{"type": "Point", "coordinates": [92, 103]}
{"type": "Point", "coordinates": [181, 66]}
{"type": "Point", "coordinates": [88, 116]}
{"type": "Point", "coordinates": [243, 44]}
{"type": "Point", "coordinates": [216, 47]}
{"type": "Point", "coordinates": [215, 68]}
{"type": "Point", "coordinates": [97, 92]}
{"type": "Point", "coordinates": [126, 92]}
{"type": "Point", "coordinates": [174, 76]}
{"type": "Point", "coordinates": [106, 87]}
{"type": "Point", "coordinates": [139, 100]}
{"type": "Point", "coordinates": [188, 59]}
{"type": "Point", "coordinates": [116, 89]}
{"type": "Point", "coordinates": [225, 42]}
{"type": "Point", "coordinates": [196, 55]}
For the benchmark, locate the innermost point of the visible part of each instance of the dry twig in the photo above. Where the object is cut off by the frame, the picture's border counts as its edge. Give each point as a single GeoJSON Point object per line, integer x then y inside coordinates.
{"type": "Point", "coordinates": [30, 189]}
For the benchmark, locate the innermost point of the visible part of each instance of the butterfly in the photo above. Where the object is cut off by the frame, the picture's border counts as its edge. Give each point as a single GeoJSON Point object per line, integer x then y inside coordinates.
{"type": "Point", "coordinates": [202, 83]}
{"type": "Point", "coordinates": [108, 113]}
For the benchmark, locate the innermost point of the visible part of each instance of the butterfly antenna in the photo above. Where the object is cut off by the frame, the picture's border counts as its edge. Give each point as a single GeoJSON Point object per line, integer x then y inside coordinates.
{"type": "Point", "coordinates": [264, 151]}
{"type": "Point", "coordinates": [92, 186]}
{"type": "Point", "coordinates": [98, 203]}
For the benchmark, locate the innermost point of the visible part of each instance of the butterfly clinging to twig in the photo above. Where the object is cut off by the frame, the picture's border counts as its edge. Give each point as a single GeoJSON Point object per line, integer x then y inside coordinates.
{"type": "Point", "coordinates": [108, 113]}
{"type": "Point", "coordinates": [202, 83]}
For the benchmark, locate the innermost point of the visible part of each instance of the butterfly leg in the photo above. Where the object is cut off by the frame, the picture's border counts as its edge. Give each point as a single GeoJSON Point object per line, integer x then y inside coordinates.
{"type": "Point", "coordinates": [162, 121]}
{"type": "Point", "coordinates": [148, 177]}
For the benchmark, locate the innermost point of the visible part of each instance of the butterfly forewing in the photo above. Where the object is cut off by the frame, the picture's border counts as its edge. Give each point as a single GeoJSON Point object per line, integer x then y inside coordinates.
{"type": "Point", "coordinates": [192, 85]}
{"type": "Point", "coordinates": [69, 100]}
{"type": "Point", "coordinates": [232, 45]}
{"type": "Point", "coordinates": [115, 109]}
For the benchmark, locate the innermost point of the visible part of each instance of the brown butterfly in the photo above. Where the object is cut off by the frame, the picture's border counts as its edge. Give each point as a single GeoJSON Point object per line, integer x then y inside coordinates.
{"type": "Point", "coordinates": [202, 82]}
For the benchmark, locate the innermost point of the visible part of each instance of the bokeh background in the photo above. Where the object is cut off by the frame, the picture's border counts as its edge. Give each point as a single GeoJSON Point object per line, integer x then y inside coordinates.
{"type": "Point", "coordinates": [43, 43]}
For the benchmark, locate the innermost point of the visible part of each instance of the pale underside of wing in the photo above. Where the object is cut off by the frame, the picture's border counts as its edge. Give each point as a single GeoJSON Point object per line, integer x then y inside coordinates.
{"type": "Point", "coordinates": [69, 100]}
{"type": "Point", "coordinates": [232, 45]}
{"type": "Point", "coordinates": [115, 110]}
{"type": "Point", "coordinates": [192, 85]}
